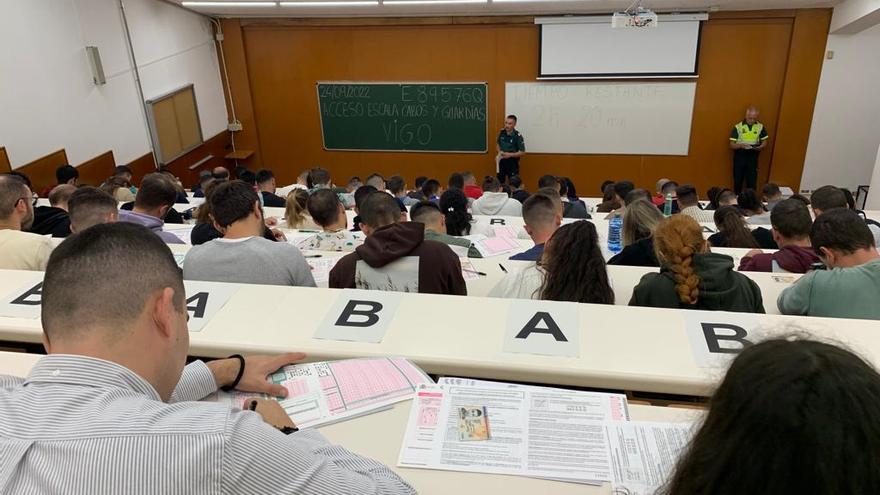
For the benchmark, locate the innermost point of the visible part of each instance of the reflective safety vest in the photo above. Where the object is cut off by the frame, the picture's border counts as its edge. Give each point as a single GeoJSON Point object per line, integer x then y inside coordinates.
{"type": "Point", "coordinates": [749, 136]}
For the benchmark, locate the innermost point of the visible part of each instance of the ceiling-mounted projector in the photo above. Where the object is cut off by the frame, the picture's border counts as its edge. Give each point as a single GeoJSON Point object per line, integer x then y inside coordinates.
{"type": "Point", "coordinates": [634, 18]}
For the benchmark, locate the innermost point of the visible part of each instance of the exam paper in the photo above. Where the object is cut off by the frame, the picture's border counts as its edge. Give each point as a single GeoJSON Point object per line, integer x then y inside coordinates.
{"type": "Point", "coordinates": [546, 433]}
{"type": "Point", "coordinates": [468, 272]}
{"type": "Point", "coordinates": [494, 246]}
{"type": "Point", "coordinates": [331, 391]}
{"type": "Point", "coordinates": [644, 454]}
{"type": "Point", "coordinates": [182, 231]}
{"type": "Point", "coordinates": [321, 268]}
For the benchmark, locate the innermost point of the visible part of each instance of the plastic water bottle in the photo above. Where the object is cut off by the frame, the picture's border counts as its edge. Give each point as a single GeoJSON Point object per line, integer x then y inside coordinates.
{"type": "Point", "coordinates": [615, 224]}
{"type": "Point", "coordinates": [667, 207]}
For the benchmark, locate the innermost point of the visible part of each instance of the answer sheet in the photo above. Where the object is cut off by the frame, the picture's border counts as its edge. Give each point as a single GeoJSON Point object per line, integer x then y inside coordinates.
{"type": "Point", "coordinates": [321, 269]}
{"type": "Point", "coordinates": [331, 391]}
{"type": "Point", "coordinates": [494, 246]}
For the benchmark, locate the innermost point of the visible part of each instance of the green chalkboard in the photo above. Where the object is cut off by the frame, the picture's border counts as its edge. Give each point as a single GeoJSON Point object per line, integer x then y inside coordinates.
{"type": "Point", "coordinates": [364, 116]}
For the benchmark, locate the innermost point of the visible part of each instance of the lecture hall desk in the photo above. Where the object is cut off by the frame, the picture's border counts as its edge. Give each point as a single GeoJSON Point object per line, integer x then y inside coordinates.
{"type": "Point", "coordinates": [380, 435]}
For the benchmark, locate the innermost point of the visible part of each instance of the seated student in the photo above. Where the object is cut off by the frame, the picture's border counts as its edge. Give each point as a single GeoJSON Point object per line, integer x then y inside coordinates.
{"type": "Point", "coordinates": [205, 177]}
{"type": "Point", "coordinates": [19, 250]}
{"type": "Point", "coordinates": [572, 206]}
{"type": "Point", "coordinates": [417, 193]}
{"type": "Point", "coordinates": [155, 197]}
{"type": "Point", "coordinates": [220, 173]}
{"type": "Point", "coordinates": [639, 221]}
{"type": "Point", "coordinates": [689, 204]}
{"type": "Point", "coordinates": [791, 222]}
{"type": "Point", "coordinates": [635, 195]}
{"type": "Point", "coordinates": [178, 186]}
{"type": "Point", "coordinates": [118, 187]}
{"type": "Point", "coordinates": [242, 255]}
{"type": "Point", "coordinates": [89, 206]}
{"type": "Point", "coordinates": [377, 181]}
{"type": "Point", "coordinates": [353, 184]}
{"type": "Point", "coordinates": [621, 190]}
{"type": "Point", "coordinates": [849, 288]}
{"type": "Point", "coordinates": [752, 207]}
{"type": "Point", "coordinates": [320, 179]}
{"type": "Point", "coordinates": [828, 197]}
{"type": "Point", "coordinates": [124, 407]}
{"type": "Point", "coordinates": [542, 215]}
{"type": "Point", "coordinates": [266, 183]}
{"type": "Point", "coordinates": [734, 233]}
{"type": "Point", "coordinates": [659, 197]}
{"type": "Point", "coordinates": [64, 174]}
{"type": "Point", "coordinates": [471, 189]}
{"type": "Point", "coordinates": [571, 269]}
{"type": "Point", "coordinates": [692, 277]}
{"type": "Point", "coordinates": [668, 187]}
{"type": "Point", "coordinates": [712, 195]}
{"type": "Point", "coordinates": [456, 181]}
{"type": "Point", "coordinates": [396, 257]}
{"type": "Point", "coordinates": [327, 211]}
{"type": "Point", "coordinates": [791, 416]}
{"type": "Point", "coordinates": [397, 187]}
{"type": "Point", "coordinates": [459, 222]}
{"type": "Point", "coordinates": [431, 190]}
{"type": "Point", "coordinates": [296, 213]}
{"type": "Point", "coordinates": [494, 201]}
{"type": "Point", "coordinates": [772, 195]}
{"type": "Point", "coordinates": [517, 190]}
{"type": "Point", "coordinates": [429, 214]}
{"type": "Point", "coordinates": [204, 230]}
{"type": "Point", "coordinates": [359, 196]}
{"type": "Point", "coordinates": [53, 220]}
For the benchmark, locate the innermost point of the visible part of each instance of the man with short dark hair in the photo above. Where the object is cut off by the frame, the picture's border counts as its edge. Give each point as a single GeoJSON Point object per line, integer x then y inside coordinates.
{"type": "Point", "coordinates": [397, 187]}
{"type": "Point", "coordinates": [114, 408]}
{"type": "Point", "coordinates": [320, 179]}
{"type": "Point", "coordinates": [660, 197]}
{"type": "Point", "coordinates": [510, 146]}
{"type": "Point", "coordinates": [772, 195]}
{"type": "Point", "coordinates": [689, 204]}
{"type": "Point", "coordinates": [205, 178]}
{"type": "Point", "coordinates": [19, 250]}
{"type": "Point", "coordinates": [429, 214]}
{"type": "Point", "coordinates": [242, 255]}
{"type": "Point", "coordinates": [266, 183]}
{"type": "Point", "coordinates": [327, 211]}
{"type": "Point", "coordinates": [64, 174]}
{"type": "Point", "coordinates": [494, 201]}
{"type": "Point", "coordinates": [635, 195]}
{"type": "Point", "coordinates": [396, 256]}
{"type": "Point", "coordinates": [621, 189]}
{"type": "Point", "coordinates": [828, 197]}
{"type": "Point", "coordinates": [359, 197]}
{"type": "Point", "coordinates": [89, 206]}
{"type": "Point", "coordinates": [850, 285]}
{"type": "Point", "coordinates": [431, 190]}
{"type": "Point", "coordinates": [570, 208]}
{"type": "Point", "coordinates": [518, 192]}
{"type": "Point", "coordinates": [456, 181]}
{"type": "Point", "coordinates": [471, 189]}
{"type": "Point", "coordinates": [726, 198]}
{"type": "Point", "coordinates": [542, 214]}
{"type": "Point", "coordinates": [416, 193]}
{"type": "Point", "coordinates": [548, 181]}
{"type": "Point", "coordinates": [155, 197]}
{"type": "Point", "coordinates": [791, 223]}
{"type": "Point", "coordinates": [53, 219]}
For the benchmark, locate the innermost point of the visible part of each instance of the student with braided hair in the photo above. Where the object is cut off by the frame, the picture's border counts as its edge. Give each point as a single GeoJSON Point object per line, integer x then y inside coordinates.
{"type": "Point", "coordinates": [692, 277]}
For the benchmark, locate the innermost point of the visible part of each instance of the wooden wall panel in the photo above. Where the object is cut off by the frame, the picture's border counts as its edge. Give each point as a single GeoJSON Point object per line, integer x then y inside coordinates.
{"type": "Point", "coordinates": [41, 171]}
{"type": "Point", "coordinates": [5, 166]}
{"type": "Point", "coordinates": [95, 171]}
{"type": "Point", "coordinates": [745, 58]}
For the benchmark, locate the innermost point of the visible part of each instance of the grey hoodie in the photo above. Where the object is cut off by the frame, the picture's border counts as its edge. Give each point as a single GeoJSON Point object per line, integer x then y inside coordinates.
{"type": "Point", "coordinates": [496, 203]}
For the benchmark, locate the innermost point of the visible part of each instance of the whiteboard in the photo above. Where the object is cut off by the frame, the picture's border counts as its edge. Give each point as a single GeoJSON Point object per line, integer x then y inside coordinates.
{"type": "Point", "coordinates": [628, 118]}
{"type": "Point", "coordinates": [590, 47]}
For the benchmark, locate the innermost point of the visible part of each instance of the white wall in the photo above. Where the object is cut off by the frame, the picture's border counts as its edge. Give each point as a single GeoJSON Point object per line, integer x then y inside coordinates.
{"type": "Point", "coordinates": [48, 100]}
{"type": "Point", "coordinates": [846, 122]}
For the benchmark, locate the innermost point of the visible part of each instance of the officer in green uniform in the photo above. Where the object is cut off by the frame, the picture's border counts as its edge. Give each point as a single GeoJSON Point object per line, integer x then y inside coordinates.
{"type": "Point", "coordinates": [510, 148]}
{"type": "Point", "coordinates": [747, 139]}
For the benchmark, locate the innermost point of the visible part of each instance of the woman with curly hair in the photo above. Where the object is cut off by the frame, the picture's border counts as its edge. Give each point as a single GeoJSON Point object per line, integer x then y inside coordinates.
{"type": "Point", "coordinates": [692, 277]}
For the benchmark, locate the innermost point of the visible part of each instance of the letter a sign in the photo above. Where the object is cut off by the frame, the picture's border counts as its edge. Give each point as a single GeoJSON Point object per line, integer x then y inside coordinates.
{"type": "Point", "coordinates": [359, 316]}
{"type": "Point", "coordinates": [543, 327]}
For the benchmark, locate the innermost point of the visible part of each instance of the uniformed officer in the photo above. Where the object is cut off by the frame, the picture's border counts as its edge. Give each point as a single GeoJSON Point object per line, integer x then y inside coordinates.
{"type": "Point", "coordinates": [510, 148]}
{"type": "Point", "coordinates": [747, 139]}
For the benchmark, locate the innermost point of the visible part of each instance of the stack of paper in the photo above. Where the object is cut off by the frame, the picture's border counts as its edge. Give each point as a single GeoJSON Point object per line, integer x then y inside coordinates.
{"type": "Point", "coordinates": [494, 246]}
{"type": "Point", "coordinates": [331, 391]}
{"type": "Point", "coordinates": [321, 268]}
{"type": "Point", "coordinates": [181, 230]}
{"type": "Point", "coordinates": [581, 437]}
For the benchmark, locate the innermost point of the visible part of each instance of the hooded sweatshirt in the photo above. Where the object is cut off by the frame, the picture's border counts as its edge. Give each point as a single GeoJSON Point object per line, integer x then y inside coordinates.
{"type": "Point", "coordinates": [720, 289]}
{"type": "Point", "coordinates": [439, 268]}
{"type": "Point", "coordinates": [793, 259]}
{"type": "Point", "coordinates": [51, 220]}
{"type": "Point", "coordinates": [496, 203]}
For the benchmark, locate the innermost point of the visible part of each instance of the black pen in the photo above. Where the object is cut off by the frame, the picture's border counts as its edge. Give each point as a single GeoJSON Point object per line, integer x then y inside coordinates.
{"type": "Point", "coordinates": [473, 271]}
{"type": "Point", "coordinates": [502, 268]}
{"type": "Point", "coordinates": [313, 256]}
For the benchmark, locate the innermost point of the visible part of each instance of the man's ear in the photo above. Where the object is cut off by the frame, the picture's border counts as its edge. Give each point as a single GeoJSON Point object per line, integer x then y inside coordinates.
{"type": "Point", "coordinates": [163, 312]}
{"type": "Point", "coordinates": [558, 219]}
{"type": "Point", "coordinates": [776, 236]}
{"type": "Point", "coordinates": [163, 210]}
{"type": "Point", "coordinates": [46, 344]}
{"type": "Point", "coordinates": [828, 256]}
{"type": "Point", "coordinates": [257, 210]}
{"type": "Point", "coordinates": [366, 229]}
{"type": "Point", "coordinates": [113, 216]}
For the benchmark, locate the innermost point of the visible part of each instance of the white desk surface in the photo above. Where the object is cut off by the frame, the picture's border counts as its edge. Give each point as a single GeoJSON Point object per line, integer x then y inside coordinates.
{"type": "Point", "coordinates": [380, 435]}
{"type": "Point", "coordinates": [464, 336]}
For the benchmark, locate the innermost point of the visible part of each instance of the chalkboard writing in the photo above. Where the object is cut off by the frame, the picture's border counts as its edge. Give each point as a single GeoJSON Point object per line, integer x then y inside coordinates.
{"type": "Point", "coordinates": [446, 117]}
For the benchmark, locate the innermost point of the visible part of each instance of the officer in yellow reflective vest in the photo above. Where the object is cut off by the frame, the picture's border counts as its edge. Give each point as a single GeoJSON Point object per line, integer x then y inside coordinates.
{"type": "Point", "coordinates": [747, 139]}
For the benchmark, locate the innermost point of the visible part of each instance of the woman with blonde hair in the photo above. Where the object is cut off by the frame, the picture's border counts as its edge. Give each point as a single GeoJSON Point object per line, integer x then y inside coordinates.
{"type": "Point", "coordinates": [639, 221]}
{"type": "Point", "coordinates": [296, 214]}
{"type": "Point", "coordinates": [692, 277]}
